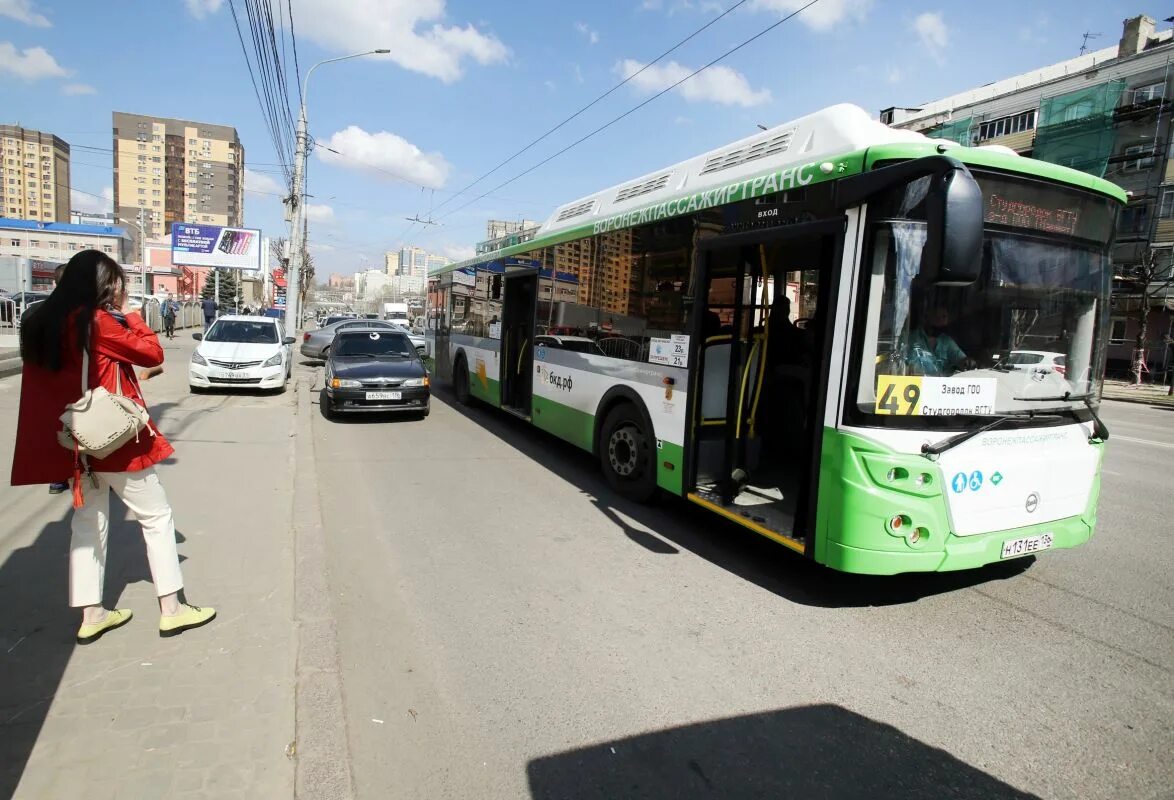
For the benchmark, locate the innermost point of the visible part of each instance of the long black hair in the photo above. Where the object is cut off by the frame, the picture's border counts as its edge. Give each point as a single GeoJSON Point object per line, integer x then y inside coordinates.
{"type": "Point", "coordinates": [91, 280]}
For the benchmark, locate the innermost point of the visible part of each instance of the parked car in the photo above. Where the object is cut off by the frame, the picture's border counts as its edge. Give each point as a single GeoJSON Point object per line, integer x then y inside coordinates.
{"type": "Point", "coordinates": [333, 318]}
{"type": "Point", "coordinates": [316, 344]}
{"type": "Point", "coordinates": [576, 344]}
{"type": "Point", "coordinates": [1034, 361]}
{"type": "Point", "coordinates": [375, 369]}
{"type": "Point", "coordinates": [242, 351]}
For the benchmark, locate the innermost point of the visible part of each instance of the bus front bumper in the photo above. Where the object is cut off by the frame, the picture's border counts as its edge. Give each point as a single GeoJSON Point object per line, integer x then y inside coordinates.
{"type": "Point", "coordinates": [958, 552]}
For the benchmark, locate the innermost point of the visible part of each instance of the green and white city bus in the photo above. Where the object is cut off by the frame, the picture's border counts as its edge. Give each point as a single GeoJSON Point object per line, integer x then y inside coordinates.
{"type": "Point", "coordinates": [880, 350]}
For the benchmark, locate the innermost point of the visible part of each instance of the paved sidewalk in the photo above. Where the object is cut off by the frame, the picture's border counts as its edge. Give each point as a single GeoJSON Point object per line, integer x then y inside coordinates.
{"type": "Point", "coordinates": [208, 714]}
{"type": "Point", "coordinates": [1130, 393]}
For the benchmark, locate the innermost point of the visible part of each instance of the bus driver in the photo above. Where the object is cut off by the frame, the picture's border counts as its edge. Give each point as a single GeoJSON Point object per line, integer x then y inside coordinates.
{"type": "Point", "coordinates": [931, 350]}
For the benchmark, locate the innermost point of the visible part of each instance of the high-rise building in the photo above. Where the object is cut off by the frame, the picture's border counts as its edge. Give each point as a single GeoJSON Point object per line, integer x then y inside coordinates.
{"type": "Point", "coordinates": [36, 175]}
{"type": "Point", "coordinates": [1107, 113]}
{"type": "Point", "coordinates": [496, 228]}
{"type": "Point", "coordinates": [173, 170]}
{"type": "Point", "coordinates": [391, 262]}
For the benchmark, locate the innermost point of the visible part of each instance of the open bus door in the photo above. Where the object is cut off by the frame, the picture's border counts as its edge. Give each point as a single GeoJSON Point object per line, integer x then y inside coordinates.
{"type": "Point", "coordinates": [517, 332]}
{"type": "Point", "coordinates": [763, 299]}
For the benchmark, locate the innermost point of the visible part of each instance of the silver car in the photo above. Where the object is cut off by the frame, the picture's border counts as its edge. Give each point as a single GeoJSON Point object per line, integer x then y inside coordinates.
{"type": "Point", "coordinates": [316, 344]}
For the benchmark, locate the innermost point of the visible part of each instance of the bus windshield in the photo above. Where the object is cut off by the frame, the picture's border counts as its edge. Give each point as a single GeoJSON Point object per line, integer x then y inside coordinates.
{"type": "Point", "coordinates": [1026, 336]}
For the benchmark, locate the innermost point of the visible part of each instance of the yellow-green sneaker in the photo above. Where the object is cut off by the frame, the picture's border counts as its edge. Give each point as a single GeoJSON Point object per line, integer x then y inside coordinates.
{"type": "Point", "coordinates": [115, 618]}
{"type": "Point", "coordinates": [188, 617]}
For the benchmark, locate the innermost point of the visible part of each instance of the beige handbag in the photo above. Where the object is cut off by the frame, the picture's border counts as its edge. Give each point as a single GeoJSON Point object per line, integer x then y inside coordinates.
{"type": "Point", "coordinates": [99, 422]}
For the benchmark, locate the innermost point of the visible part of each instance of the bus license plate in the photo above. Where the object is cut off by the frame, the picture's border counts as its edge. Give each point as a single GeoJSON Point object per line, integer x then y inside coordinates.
{"type": "Point", "coordinates": [383, 395]}
{"type": "Point", "coordinates": [1026, 545]}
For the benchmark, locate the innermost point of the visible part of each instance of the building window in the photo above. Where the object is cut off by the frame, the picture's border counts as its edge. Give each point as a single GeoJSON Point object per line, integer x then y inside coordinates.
{"type": "Point", "coordinates": [1166, 209]}
{"type": "Point", "coordinates": [34, 243]}
{"type": "Point", "coordinates": [1143, 158]}
{"type": "Point", "coordinates": [14, 242]}
{"type": "Point", "coordinates": [1003, 126]}
{"type": "Point", "coordinates": [1143, 94]}
{"type": "Point", "coordinates": [1078, 110]}
{"type": "Point", "coordinates": [107, 248]}
{"type": "Point", "coordinates": [191, 141]}
{"type": "Point", "coordinates": [1117, 328]}
{"type": "Point", "coordinates": [1133, 220]}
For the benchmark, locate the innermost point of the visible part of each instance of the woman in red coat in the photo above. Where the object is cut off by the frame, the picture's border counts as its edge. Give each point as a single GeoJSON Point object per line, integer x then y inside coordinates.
{"type": "Point", "coordinates": [85, 312]}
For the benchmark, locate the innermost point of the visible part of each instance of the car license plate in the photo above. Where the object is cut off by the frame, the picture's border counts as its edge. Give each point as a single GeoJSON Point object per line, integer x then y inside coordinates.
{"type": "Point", "coordinates": [1026, 545]}
{"type": "Point", "coordinates": [384, 395]}
{"type": "Point", "coordinates": [232, 376]}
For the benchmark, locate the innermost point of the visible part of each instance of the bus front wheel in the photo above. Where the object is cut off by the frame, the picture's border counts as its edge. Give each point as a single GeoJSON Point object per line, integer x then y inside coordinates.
{"type": "Point", "coordinates": [627, 454]}
{"type": "Point", "coordinates": [461, 383]}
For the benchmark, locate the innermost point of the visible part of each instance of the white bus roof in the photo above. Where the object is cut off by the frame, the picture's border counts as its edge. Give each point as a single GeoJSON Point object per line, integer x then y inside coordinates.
{"type": "Point", "coordinates": [834, 131]}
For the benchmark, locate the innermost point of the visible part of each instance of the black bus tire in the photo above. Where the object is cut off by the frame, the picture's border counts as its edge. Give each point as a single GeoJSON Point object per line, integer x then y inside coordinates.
{"type": "Point", "coordinates": [627, 454]}
{"type": "Point", "coordinates": [460, 382]}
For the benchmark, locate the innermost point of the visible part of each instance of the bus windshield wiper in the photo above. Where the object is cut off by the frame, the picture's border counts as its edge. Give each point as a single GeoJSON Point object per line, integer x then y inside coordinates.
{"type": "Point", "coordinates": [1100, 430]}
{"type": "Point", "coordinates": [949, 442]}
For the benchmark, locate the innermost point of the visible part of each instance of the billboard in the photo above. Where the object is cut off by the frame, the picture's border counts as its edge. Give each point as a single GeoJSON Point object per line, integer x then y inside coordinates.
{"type": "Point", "coordinates": [212, 246]}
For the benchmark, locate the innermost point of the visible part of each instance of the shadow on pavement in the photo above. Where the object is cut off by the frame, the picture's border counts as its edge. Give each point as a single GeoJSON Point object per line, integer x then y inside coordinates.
{"type": "Point", "coordinates": [37, 628]}
{"type": "Point", "coordinates": [671, 524]}
{"type": "Point", "coordinates": [821, 751]}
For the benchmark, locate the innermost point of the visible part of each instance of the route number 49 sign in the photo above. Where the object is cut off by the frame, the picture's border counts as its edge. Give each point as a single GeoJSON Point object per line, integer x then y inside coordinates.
{"type": "Point", "coordinates": [920, 395]}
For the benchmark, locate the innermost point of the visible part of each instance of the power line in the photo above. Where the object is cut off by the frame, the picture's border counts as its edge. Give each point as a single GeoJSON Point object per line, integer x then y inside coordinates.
{"type": "Point", "coordinates": [595, 101]}
{"type": "Point", "coordinates": [635, 108]}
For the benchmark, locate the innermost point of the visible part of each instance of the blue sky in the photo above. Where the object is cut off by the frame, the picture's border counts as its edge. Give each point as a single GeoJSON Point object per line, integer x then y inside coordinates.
{"type": "Point", "coordinates": [469, 83]}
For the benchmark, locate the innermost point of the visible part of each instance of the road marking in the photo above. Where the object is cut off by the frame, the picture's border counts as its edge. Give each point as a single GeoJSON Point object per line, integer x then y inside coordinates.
{"type": "Point", "coordinates": [1142, 441]}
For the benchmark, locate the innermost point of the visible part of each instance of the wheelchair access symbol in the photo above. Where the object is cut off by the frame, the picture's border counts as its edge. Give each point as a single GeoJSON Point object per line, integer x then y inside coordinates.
{"type": "Point", "coordinates": [961, 482]}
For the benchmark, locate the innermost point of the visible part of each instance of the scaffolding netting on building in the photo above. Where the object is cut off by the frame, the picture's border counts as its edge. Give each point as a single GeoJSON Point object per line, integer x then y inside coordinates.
{"type": "Point", "coordinates": [957, 130]}
{"type": "Point", "coordinates": [1076, 129]}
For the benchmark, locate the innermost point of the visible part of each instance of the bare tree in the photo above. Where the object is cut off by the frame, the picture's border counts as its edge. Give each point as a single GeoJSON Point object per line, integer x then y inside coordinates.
{"type": "Point", "coordinates": [1150, 278]}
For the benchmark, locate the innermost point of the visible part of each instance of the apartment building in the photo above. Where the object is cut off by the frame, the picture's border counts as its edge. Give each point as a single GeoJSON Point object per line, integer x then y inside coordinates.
{"type": "Point", "coordinates": [59, 241]}
{"type": "Point", "coordinates": [1108, 113]}
{"type": "Point", "coordinates": [36, 175]}
{"type": "Point", "coordinates": [413, 262]}
{"type": "Point", "coordinates": [173, 170]}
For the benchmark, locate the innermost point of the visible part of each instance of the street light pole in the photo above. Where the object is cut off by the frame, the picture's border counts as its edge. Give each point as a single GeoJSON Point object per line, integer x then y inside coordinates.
{"type": "Point", "coordinates": [297, 233]}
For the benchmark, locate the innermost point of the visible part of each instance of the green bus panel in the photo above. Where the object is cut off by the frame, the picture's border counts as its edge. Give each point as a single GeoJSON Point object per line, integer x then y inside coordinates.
{"type": "Point", "coordinates": [855, 505]}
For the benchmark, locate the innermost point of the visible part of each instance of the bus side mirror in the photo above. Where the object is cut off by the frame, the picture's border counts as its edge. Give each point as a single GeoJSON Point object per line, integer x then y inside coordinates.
{"type": "Point", "coordinates": [953, 244]}
{"type": "Point", "coordinates": [953, 211]}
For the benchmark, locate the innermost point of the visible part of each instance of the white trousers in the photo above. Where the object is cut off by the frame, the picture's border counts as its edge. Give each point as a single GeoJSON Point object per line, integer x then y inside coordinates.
{"type": "Point", "coordinates": [144, 497]}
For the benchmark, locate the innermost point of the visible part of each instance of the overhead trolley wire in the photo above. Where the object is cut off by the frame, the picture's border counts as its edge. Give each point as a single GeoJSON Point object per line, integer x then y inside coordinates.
{"type": "Point", "coordinates": [626, 80]}
{"type": "Point", "coordinates": [635, 108]}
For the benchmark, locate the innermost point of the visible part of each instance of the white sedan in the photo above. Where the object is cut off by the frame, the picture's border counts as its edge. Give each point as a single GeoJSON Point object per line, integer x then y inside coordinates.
{"type": "Point", "coordinates": [242, 352]}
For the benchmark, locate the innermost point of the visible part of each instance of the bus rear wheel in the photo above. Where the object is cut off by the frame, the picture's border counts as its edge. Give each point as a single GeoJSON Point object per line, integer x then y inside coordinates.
{"type": "Point", "coordinates": [460, 380]}
{"type": "Point", "coordinates": [627, 454]}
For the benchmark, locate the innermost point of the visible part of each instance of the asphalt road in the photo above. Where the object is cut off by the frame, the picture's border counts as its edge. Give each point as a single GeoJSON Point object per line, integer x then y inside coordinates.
{"type": "Point", "coordinates": [510, 628]}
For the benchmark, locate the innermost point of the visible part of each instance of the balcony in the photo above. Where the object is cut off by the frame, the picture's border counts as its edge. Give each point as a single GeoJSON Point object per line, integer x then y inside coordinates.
{"type": "Point", "coordinates": [1139, 111]}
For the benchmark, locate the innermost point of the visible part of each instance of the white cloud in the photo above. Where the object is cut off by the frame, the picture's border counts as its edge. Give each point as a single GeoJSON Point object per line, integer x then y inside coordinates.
{"type": "Point", "coordinates": [457, 252]}
{"type": "Point", "coordinates": [78, 88]}
{"type": "Point", "coordinates": [31, 64]}
{"type": "Point", "coordinates": [22, 11]}
{"type": "Point", "coordinates": [932, 32]}
{"type": "Point", "coordinates": [822, 16]}
{"type": "Point", "coordinates": [411, 29]}
{"type": "Point", "coordinates": [651, 5]}
{"type": "Point", "coordinates": [550, 85]}
{"type": "Point", "coordinates": [578, 73]}
{"type": "Point", "coordinates": [202, 8]}
{"type": "Point", "coordinates": [261, 183]}
{"type": "Point", "coordinates": [592, 35]}
{"type": "Point", "coordinates": [683, 120]}
{"type": "Point", "coordinates": [893, 75]}
{"type": "Point", "coordinates": [385, 154]}
{"type": "Point", "coordinates": [319, 212]}
{"type": "Point", "coordinates": [79, 201]}
{"type": "Point", "coordinates": [716, 85]}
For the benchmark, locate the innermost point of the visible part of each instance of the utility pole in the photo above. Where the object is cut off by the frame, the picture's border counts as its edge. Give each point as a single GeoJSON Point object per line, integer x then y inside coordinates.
{"type": "Point", "coordinates": [297, 230]}
{"type": "Point", "coordinates": [297, 236]}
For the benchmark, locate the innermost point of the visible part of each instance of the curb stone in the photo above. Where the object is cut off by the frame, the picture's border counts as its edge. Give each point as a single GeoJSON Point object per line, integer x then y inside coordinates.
{"type": "Point", "coordinates": [323, 770]}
